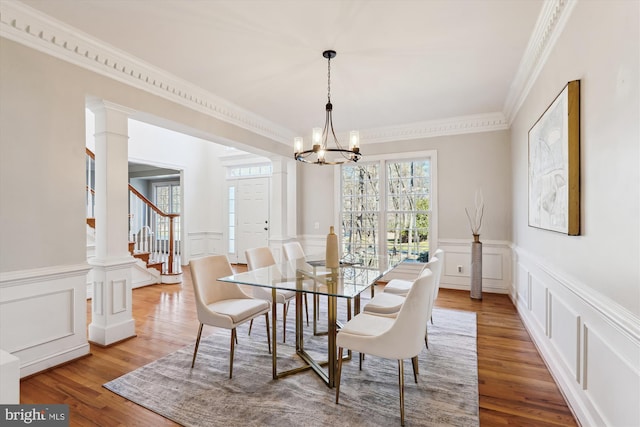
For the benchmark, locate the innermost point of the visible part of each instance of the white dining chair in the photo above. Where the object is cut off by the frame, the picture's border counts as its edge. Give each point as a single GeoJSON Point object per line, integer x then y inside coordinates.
{"type": "Point", "coordinates": [389, 304]}
{"type": "Point", "coordinates": [222, 304]}
{"type": "Point", "coordinates": [396, 338]}
{"type": "Point", "coordinates": [292, 251]}
{"type": "Point", "coordinates": [263, 257]}
{"type": "Point", "coordinates": [401, 287]}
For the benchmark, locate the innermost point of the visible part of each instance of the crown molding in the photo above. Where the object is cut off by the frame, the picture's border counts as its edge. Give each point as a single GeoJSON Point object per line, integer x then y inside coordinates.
{"type": "Point", "coordinates": [27, 26]}
{"type": "Point", "coordinates": [452, 126]}
{"type": "Point", "coordinates": [551, 21]}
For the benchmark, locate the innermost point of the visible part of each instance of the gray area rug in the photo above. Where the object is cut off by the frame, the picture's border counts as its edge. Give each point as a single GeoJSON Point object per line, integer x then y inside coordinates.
{"type": "Point", "coordinates": [446, 393]}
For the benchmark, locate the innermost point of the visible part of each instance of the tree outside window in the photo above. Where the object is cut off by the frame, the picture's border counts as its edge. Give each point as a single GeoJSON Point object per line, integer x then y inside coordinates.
{"type": "Point", "coordinates": [401, 213]}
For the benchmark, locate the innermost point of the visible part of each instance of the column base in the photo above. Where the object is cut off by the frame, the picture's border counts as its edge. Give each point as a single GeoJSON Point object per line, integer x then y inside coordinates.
{"type": "Point", "coordinates": [106, 336]}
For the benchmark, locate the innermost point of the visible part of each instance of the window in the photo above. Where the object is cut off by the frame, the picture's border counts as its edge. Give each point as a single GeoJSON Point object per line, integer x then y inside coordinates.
{"type": "Point", "coordinates": [248, 171]}
{"type": "Point", "coordinates": [386, 209]}
{"type": "Point", "coordinates": [167, 199]}
{"type": "Point", "coordinates": [232, 219]}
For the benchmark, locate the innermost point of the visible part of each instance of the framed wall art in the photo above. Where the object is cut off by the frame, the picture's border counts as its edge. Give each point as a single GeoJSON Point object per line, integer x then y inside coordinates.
{"type": "Point", "coordinates": [554, 165]}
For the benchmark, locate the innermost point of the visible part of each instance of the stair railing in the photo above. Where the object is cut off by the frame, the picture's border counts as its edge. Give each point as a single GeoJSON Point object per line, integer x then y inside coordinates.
{"type": "Point", "coordinates": [152, 230]}
{"type": "Point", "coordinates": [155, 232]}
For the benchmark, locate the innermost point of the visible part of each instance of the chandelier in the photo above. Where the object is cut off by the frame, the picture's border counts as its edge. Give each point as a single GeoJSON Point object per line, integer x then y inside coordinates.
{"type": "Point", "coordinates": [321, 153]}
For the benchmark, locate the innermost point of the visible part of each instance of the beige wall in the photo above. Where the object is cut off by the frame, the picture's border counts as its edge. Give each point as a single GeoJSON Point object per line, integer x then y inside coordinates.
{"type": "Point", "coordinates": [599, 46]}
{"type": "Point", "coordinates": [42, 176]}
{"type": "Point", "coordinates": [466, 163]}
{"type": "Point", "coordinates": [42, 157]}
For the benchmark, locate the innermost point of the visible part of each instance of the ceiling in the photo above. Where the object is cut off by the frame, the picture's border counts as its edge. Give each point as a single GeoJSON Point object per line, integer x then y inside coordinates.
{"type": "Point", "coordinates": [398, 62]}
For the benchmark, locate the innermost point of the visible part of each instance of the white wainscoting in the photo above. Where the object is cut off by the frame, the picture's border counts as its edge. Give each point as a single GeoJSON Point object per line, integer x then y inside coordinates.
{"type": "Point", "coordinates": [590, 343]}
{"type": "Point", "coordinates": [313, 243]}
{"type": "Point", "coordinates": [46, 310]}
{"type": "Point", "coordinates": [203, 243]}
{"type": "Point", "coordinates": [496, 265]}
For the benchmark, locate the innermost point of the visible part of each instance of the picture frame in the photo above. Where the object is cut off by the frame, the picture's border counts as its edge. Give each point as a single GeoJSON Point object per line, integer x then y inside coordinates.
{"type": "Point", "coordinates": [554, 165]}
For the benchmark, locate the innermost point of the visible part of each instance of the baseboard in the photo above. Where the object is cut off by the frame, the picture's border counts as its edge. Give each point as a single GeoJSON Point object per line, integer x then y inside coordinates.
{"type": "Point", "coordinates": [54, 360]}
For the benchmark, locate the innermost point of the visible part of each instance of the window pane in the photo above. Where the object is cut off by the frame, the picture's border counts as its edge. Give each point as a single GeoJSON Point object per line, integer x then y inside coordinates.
{"type": "Point", "coordinates": [408, 204]}
{"type": "Point", "coordinates": [162, 197]}
{"type": "Point", "coordinates": [231, 241]}
{"type": "Point", "coordinates": [175, 199]}
{"type": "Point", "coordinates": [360, 212]}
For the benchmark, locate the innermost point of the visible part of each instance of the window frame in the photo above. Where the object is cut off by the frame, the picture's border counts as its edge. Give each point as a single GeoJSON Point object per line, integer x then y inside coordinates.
{"type": "Point", "coordinates": [382, 160]}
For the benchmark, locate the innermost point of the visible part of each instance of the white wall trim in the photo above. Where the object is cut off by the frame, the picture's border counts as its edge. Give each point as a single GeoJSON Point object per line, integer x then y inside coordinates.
{"type": "Point", "coordinates": [55, 359]}
{"type": "Point", "coordinates": [611, 311]}
{"type": "Point", "coordinates": [496, 268]}
{"type": "Point", "coordinates": [488, 122]}
{"type": "Point", "coordinates": [39, 337]}
{"type": "Point", "coordinates": [551, 21]}
{"type": "Point", "coordinates": [24, 277]}
{"type": "Point", "coordinates": [25, 25]}
{"type": "Point", "coordinates": [590, 343]}
{"type": "Point", "coordinates": [204, 243]}
{"type": "Point", "coordinates": [32, 28]}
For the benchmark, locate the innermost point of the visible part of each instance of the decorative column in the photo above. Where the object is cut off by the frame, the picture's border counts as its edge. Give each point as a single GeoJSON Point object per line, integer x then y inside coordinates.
{"type": "Point", "coordinates": [282, 215]}
{"type": "Point", "coordinates": [476, 267]}
{"type": "Point", "coordinates": [111, 309]}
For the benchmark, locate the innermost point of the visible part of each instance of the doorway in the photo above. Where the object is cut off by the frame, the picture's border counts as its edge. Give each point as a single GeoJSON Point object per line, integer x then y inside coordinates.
{"type": "Point", "coordinates": [248, 216]}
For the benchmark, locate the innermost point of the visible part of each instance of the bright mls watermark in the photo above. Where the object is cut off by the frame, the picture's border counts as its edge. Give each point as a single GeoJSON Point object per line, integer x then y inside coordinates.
{"type": "Point", "coordinates": [34, 415]}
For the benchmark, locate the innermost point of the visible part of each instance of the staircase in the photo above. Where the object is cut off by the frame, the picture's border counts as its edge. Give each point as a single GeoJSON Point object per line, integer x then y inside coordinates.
{"type": "Point", "coordinates": [154, 236]}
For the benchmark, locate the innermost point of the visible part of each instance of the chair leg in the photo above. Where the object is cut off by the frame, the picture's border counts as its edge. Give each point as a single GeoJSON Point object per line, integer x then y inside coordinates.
{"type": "Point", "coordinates": [250, 326]}
{"type": "Point", "coordinates": [284, 321]}
{"type": "Point", "coordinates": [361, 357]}
{"type": "Point", "coordinates": [266, 318]}
{"type": "Point", "coordinates": [195, 350]}
{"type": "Point", "coordinates": [306, 307]}
{"type": "Point", "coordinates": [426, 338]}
{"type": "Point", "coordinates": [338, 373]}
{"type": "Point", "coordinates": [401, 384]}
{"type": "Point", "coordinates": [233, 341]}
{"type": "Point", "coordinates": [414, 362]}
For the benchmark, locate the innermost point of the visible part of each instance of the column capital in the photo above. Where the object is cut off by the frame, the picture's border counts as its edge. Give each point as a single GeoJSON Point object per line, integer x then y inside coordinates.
{"type": "Point", "coordinates": [99, 105]}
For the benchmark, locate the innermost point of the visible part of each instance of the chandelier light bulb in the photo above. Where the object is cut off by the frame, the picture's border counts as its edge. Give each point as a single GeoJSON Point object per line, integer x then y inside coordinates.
{"type": "Point", "coordinates": [316, 135]}
{"type": "Point", "coordinates": [354, 140]}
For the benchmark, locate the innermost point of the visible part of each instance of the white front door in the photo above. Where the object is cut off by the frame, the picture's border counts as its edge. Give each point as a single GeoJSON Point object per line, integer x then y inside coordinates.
{"type": "Point", "coordinates": [252, 215]}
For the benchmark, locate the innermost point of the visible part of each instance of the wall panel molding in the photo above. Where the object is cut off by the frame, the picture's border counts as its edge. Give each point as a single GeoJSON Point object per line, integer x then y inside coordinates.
{"type": "Point", "coordinates": [203, 243]}
{"type": "Point", "coordinates": [591, 344]}
{"type": "Point", "coordinates": [40, 337]}
{"type": "Point", "coordinates": [496, 265]}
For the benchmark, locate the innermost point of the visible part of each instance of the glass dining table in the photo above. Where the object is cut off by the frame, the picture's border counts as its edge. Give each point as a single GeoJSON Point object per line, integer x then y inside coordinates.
{"type": "Point", "coordinates": [309, 275]}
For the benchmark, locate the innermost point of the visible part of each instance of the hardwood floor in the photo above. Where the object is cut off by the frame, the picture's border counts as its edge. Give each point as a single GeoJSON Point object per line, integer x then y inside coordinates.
{"type": "Point", "coordinates": [515, 387]}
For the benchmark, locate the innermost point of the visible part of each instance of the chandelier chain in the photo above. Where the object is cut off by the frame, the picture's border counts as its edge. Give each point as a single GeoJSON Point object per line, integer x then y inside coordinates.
{"type": "Point", "coordinates": [329, 80]}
